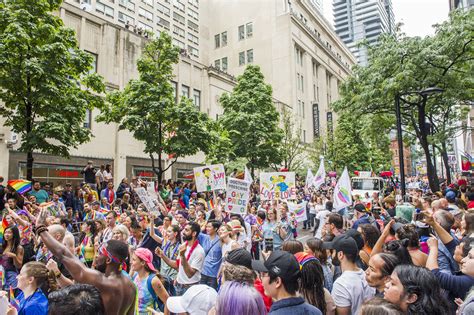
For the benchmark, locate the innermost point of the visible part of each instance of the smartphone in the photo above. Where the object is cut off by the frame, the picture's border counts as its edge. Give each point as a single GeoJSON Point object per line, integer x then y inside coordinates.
{"type": "Point", "coordinates": [419, 216]}
{"type": "Point", "coordinates": [269, 244]}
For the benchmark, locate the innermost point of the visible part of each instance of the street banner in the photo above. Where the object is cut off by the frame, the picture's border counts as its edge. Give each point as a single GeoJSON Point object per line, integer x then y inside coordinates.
{"type": "Point", "coordinates": [209, 177]}
{"type": "Point", "coordinates": [299, 209]}
{"type": "Point", "coordinates": [309, 178]}
{"type": "Point", "coordinates": [343, 192]}
{"type": "Point", "coordinates": [145, 198]}
{"type": "Point", "coordinates": [237, 196]}
{"type": "Point", "coordinates": [277, 185]}
{"type": "Point", "coordinates": [320, 176]}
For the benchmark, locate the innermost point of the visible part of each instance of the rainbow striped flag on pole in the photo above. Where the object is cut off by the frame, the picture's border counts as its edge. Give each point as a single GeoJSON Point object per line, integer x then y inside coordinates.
{"type": "Point", "coordinates": [3, 226]}
{"type": "Point", "coordinates": [13, 301]}
{"type": "Point", "coordinates": [20, 185]}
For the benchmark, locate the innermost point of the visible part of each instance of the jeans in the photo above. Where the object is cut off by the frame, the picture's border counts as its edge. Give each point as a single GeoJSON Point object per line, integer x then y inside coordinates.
{"type": "Point", "coordinates": [209, 281]}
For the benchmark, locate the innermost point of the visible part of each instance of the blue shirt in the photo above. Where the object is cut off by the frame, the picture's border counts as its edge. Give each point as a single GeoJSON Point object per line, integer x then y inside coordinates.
{"type": "Point", "coordinates": [293, 306]}
{"type": "Point", "coordinates": [36, 304]}
{"type": "Point", "coordinates": [213, 251]}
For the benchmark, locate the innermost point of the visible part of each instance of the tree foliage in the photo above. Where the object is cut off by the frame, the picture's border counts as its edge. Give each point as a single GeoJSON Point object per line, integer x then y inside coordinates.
{"type": "Point", "coordinates": [252, 120]}
{"type": "Point", "coordinates": [292, 149]}
{"type": "Point", "coordinates": [148, 109]}
{"type": "Point", "coordinates": [404, 66]}
{"type": "Point", "coordinates": [45, 84]}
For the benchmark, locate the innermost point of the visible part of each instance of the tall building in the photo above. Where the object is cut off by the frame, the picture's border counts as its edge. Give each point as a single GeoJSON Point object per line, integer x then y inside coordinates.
{"type": "Point", "coordinates": [299, 54]}
{"type": "Point", "coordinates": [358, 20]}
{"type": "Point", "coordinates": [460, 4]}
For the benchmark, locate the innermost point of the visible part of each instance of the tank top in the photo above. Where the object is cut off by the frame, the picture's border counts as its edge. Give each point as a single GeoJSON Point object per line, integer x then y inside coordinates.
{"type": "Point", "coordinates": [145, 299]}
{"type": "Point", "coordinates": [87, 250]}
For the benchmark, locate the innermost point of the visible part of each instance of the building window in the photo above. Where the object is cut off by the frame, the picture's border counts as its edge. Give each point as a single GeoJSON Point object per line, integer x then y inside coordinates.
{"type": "Point", "coordinates": [302, 83]}
{"type": "Point", "coordinates": [299, 56]}
{"type": "Point", "coordinates": [241, 58]}
{"type": "Point", "coordinates": [161, 8]}
{"type": "Point", "coordinates": [224, 64]}
{"type": "Point", "coordinates": [193, 14]}
{"type": "Point", "coordinates": [298, 82]}
{"type": "Point", "coordinates": [217, 64]}
{"type": "Point", "coordinates": [149, 2]}
{"type": "Point", "coordinates": [304, 136]}
{"type": "Point", "coordinates": [197, 98]}
{"type": "Point", "coordinates": [146, 14]}
{"type": "Point", "coordinates": [193, 51]}
{"type": "Point", "coordinates": [178, 5]}
{"type": "Point", "coordinates": [250, 56]}
{"type": "Point", "coordinates": [185, 90]}
{"type": "Point", "coordinates": [224, 38]}
{"type": "Point", "coordinates": [302, 109]}
{"type": "Point", "coordinates": [178, 31]}
{"type": "Point", "coordinates": [329, 123]}
{"type": "Point", "coordinates": [128, 4]}
{"type": "Point", "coordinates": [175, 90]}
{"type": "Point", "coordinates": [217, 40]}
{"type": "Point", "coordinates": [316, 120]}
{"type": "Point", "coordinates": [179, 43]}
{"type": "Point", "coordinates": [194, 2]}
{"type": "Point", "coordinates": [88, 119]}
{"type": "Point", "coordinates": [241, 32]}
{"type": "Point", "coordinates": [193, 26]}
{"type": "Point", "coordinates": [145, 26]}
{"type": "Point", "coordinates": [94, 62]}
{"type": "Point", "coordinates": [249, 27]}
{"type": "Point", "coordinates": [104, 9]}
{"type": "Point", "coordinates": [164, 23]}
{"type": "Point", "coordinates": [315, 69]}
{"type": "Point", "coordinates": [178, 18]}
{"type": "Point", "coordinates": [193, 38]}
{"type": "Point", "coordinates": [315, 92]}
{"type": "Point", "coordinates": [122, 17]}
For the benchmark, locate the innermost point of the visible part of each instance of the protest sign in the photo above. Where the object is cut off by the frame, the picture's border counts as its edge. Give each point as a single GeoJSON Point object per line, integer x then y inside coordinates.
{"type": "Point", "coordinates": [209, 177]}
{"type": "Point", "coordinates": [150, 188]}
{"type": "Point", "coordinates": [299, 209]}
{"type": "Point", "coordinates": [277, 185]}
{"type": "Point", "coordinates": [237, 196]}
{"type": "Point", "coordinates": [145, 198]}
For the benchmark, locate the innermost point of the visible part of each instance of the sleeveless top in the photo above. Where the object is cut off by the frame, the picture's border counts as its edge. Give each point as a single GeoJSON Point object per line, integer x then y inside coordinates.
{"type": "Point", "coordinates": [145, 299]}
{"type": "Point", "coordinates": [87, 250]}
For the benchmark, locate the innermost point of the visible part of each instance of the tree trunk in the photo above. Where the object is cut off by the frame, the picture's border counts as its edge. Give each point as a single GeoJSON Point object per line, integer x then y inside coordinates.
{"type": "Point", "coordinates": [160, 139]}
{"type": "Point", "coordinates": [29, 165]}
{"type": "Point", "coordinates": [444, 155]}
{"type": "Point", "coordinates": [432, 177]}
{"type": "Point", "coordinates": [29, 129]}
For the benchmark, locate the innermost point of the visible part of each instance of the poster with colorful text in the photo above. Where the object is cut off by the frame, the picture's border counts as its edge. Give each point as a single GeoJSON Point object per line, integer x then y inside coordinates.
{"type": "Point", "coordinates": [277, 185]}
{"type": "Point", "coordinates": [237, 196]}
{"type": "Point", "coordinates": [209, 177]}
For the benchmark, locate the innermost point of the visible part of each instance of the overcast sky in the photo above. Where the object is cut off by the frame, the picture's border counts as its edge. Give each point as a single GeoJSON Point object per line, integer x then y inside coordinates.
{"type": "Point", "coordinates": [418, 16]}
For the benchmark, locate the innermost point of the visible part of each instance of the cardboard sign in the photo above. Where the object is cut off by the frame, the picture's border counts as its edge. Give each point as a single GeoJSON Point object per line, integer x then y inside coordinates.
{"type": "Point", "coordinates": [237, 196]}
{"type": "Point", "coordinates": [209, 177]}
{"type": "Point", "coordinates": [278, 185]}
{"type": "Point", "coordinates": [145, 198]}
{"type": "Point", "coordinates": [299, 209]}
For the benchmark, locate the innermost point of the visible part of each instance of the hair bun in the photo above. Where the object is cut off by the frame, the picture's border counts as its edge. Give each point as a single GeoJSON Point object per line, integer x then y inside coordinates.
{"type": "Point", "coordinates": [405, 242]}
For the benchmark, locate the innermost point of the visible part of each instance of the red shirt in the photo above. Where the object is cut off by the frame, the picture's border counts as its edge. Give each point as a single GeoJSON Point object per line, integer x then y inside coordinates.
{"type": "Point", "coordinates": [266, 299]}
{"type": "Point", "coordinates": [470, 204]}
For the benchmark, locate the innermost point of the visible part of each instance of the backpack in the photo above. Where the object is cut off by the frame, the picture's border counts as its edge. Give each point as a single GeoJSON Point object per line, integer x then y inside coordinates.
{"type": "Point", "coordinates": [157, 303]}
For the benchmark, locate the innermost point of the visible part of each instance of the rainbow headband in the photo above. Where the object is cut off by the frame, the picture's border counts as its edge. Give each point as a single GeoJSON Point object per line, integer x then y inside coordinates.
{"type": "Point", "coordinates": [103, 250]}
{"type": "Point", "coordinates": [303, 258]}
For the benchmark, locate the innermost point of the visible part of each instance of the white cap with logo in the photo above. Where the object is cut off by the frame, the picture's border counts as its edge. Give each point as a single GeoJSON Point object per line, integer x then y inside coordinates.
{"type": "Point", "coordinates": [197, 300]}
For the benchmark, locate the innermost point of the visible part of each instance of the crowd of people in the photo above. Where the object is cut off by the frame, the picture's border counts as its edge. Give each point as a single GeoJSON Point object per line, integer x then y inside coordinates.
{"type": "Point", "coordinates": [97, 249]}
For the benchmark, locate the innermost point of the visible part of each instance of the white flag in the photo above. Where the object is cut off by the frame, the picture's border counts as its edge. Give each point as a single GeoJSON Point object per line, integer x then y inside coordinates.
{"type": "Point", "coordinates": [342, 192]}
{"type": "Point", "coordinates": [247, 176]}
{"type": "Point", "coordinates": [320, 177]}
{"type": "Point", "coordinates": [309, 178]}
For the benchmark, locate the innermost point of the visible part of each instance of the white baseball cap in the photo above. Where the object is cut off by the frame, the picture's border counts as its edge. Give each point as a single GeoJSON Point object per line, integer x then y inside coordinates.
{"type": "Point", "coordinates": [197, 300]}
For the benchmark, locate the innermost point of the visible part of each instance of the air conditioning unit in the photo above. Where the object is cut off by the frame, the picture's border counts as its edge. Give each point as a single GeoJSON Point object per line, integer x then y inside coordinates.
{"type": "Point", "coordinates": [85, 6]}
{"type": "Point", "coordinates": [13, 139]}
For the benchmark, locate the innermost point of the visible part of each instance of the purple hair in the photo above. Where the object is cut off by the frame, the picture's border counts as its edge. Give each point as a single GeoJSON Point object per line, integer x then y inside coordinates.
{"type": "Point", "coordinates": [237, 298]}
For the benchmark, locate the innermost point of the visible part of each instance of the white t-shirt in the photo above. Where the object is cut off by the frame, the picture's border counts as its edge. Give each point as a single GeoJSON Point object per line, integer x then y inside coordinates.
{"type": "Point", "coordinates": [227, 247]}
{"type": "Point", "coordinates": [100, 175]}
{"type": "Point", "coordinates": [196, 261]}
{"type": "Point", "coordinates": [107, 175]}
{"type": "Point", "coordinates": [321, 216]}
{"type": "Point", "coordinates": [351, 290]}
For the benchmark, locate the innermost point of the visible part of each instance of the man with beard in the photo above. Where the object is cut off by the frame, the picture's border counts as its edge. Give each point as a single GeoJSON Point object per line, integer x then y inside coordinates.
{"type": "Point", "coordinates": [117, 291]}
{"type": "Point", "coordinates": [190, 261]}
{"type": "Point", "coordinates": [350, 290]}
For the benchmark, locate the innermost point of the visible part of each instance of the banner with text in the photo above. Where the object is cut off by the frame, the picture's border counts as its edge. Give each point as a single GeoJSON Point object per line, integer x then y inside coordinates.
{"type": "Point", "coordinates": [237, 196]}
{"type": "Point", "coordinates": [209, 177]}
{"type": "Point", "coordinates": [277, 185]}
{"type": "Point", "coordinates": [145, 198]}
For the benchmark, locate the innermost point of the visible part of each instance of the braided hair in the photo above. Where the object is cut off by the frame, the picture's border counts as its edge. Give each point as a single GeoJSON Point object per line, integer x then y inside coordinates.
{"type": "Point", "coordinates": [45, 279]}
{"type": "Point", "coordinates": [311, 284]}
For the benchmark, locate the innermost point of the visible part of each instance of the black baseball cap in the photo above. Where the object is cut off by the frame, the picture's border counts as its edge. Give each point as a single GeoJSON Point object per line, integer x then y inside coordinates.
{"type": "Point", "coordinates": [343, 243]}
{"type": "Point", "coordinates": [360, 208]}
{"type": "Point", "coordinates": [239, 256]}
{"type": "Point", "coordinates": [279, 264]}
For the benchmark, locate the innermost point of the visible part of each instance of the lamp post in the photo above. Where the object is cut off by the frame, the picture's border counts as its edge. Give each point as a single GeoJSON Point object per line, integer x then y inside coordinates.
{"type": "Point", "coordinates": [424, 94]}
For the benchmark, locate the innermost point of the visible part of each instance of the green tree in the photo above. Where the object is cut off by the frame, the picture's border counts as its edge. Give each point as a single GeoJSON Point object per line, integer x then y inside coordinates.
{"type": "Point", "coordinates": [147, 108]}
{"type": "Point", "coordinates": [292, 149]}
{"type": "Point", "coordinates": [45, 84]}
{"type": "Point", "coordinates": [252, 120]}
{"type": "Point", "coordinates": [401, 65]}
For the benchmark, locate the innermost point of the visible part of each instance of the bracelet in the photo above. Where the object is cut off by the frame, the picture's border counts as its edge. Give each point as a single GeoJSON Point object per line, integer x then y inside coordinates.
{"type": "Point", "coordinates": [58, 274]}
{"type": "Point", "coordinates": [40, 229]}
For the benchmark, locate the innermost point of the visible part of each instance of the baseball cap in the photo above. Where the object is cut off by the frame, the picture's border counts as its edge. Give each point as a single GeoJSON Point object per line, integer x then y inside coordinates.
{"type": "Point", "coordinates": [239, 256]}
{"type": "Point", "coordinates": [280, 264]}
{"type": "Point", "coordinates": [343, 243]}
{"type": "Point", "coordinates": [197, 300]}
{"type": "Point", "coordinates": [357, 237]}
{"type": "Point", "coordinates": [146, 255]}
{"type": "Point", "coordinates": [360, 208]}
{"type": "Point", "coordinates": [450, 195]}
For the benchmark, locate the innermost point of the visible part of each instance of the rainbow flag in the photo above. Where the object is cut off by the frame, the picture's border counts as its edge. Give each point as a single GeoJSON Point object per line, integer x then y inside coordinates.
{"type": "Point", "coordinates": [2, 276]}
{"type": "Point", "coordinates": [2, 228]}
{"type": "Point", "coordinates": [13, 301]}
{"type": "Point", "coordinates": [20, 185]}
{"type": "Point", "coordinates": [210, 204]}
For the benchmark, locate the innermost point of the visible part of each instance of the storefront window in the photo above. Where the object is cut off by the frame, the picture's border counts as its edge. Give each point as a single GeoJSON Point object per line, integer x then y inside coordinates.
{"type": "Point", "coordinates": [54, 174]}
{"type": "Point", "coordinates": [145, 173]}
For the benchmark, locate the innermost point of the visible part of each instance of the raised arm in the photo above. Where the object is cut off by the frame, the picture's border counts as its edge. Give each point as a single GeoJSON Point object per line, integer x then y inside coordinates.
{"type": "Point", "coordinates": [379, 245]}
{"type": "Point", "coordinates": [443, 235]}
{"type": "Point", "coordinates": [172, 263]}
{"type": "Point", "coordinates": [190, 271]}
